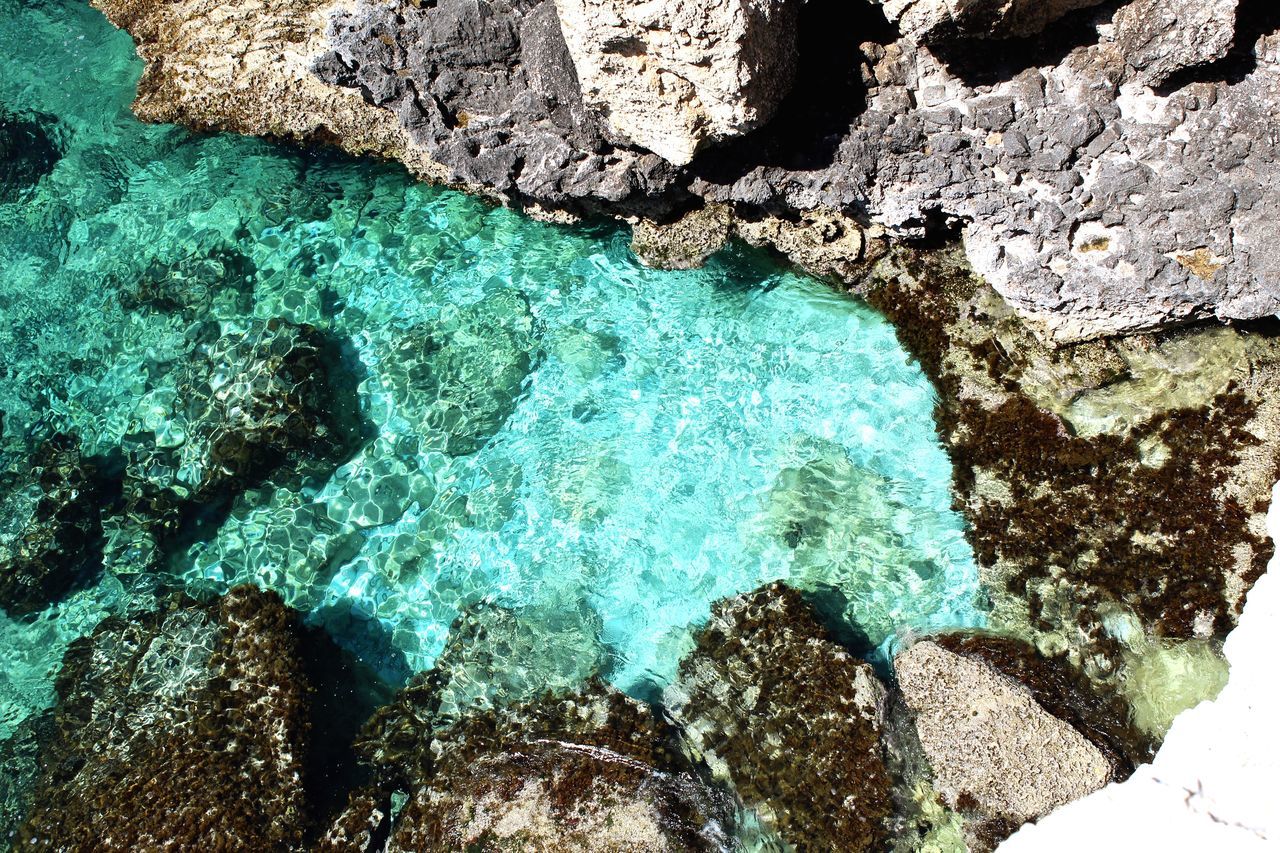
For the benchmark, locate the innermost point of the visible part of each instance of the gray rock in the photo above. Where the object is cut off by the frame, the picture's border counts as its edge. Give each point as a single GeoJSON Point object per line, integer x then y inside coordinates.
{"type": "Point", "coordinates": [1162, 37]}
{"type": "Point", "coordinates": [936, 20]}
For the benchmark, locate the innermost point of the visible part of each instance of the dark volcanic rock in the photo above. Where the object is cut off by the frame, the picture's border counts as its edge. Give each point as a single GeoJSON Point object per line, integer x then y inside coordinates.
{"type": "Point", "coordinates": [791, 718]}
{"type": "Point", "coordinates": [27, 153]}
{"type": "Point", "coordinates": [593, 770]}
{"type": "Point", "coordinates": [50, 527]}
{"type": "Point", "coordinates": [181, 730]}
{"type": "Point", "coordinates": [488, 90]}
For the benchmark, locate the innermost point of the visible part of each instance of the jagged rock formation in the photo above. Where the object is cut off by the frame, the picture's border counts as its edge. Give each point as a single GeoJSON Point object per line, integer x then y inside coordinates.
{"type": "Point", "coordinates": [929, 21]}
{"type": "Point", "coordinates": [671, 77]}
{"type": "Point", "coordinates": [1094, 205]}
{"type": "Point", "coordinates": [592, 770]}
{"type": "Point", "coordinates": [50, 527]}
{"type": "Point", "coordinates": [184, 729]}
{"type": "Point", "coordinates": [1009, 736]}
{"type": "Point", "coordinates": [791, 718]}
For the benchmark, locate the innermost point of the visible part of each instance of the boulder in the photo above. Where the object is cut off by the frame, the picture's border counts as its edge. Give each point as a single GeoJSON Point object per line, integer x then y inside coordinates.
{"type": "Point", "coordinates": [182, 729]}
{"type": "Point", "coordinates": [593, 770]}
{"type": "Point", "coordinates": [791, 719]}
{"type": "Point", "coordinates": [1160, 38]}
{"type": "Point", "coordinates": [931, 21]}
{"type": "Point", "coordinates": [673, 77]}
{"type": "Point", "coordinates": [1010, 736]}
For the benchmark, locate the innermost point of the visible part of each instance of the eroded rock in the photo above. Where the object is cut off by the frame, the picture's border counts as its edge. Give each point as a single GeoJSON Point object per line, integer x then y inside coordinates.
{"type": "Point", "coordinates": [939, 20]}
{"type": "Point", "coordinates": [673, 77]}
{"type": "Point", "coordinates": [790, 718]}
{"type": "Point", "coordinates": [1163, 37]}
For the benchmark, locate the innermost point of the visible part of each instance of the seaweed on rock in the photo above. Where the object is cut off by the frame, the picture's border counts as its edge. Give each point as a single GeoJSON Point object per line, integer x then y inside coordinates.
{"type": "Point", "coordinates": [791, 719]}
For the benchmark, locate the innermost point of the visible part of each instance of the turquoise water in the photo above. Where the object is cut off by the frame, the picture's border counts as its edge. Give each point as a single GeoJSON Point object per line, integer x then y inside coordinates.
{"type": "Point", "coordinates": [578, 453]}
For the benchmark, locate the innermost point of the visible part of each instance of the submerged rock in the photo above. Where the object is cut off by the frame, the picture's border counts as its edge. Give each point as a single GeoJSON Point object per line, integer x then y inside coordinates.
{"type": "Point", "coordinates": [27, 153]}
{"type": "Point", "coordinates": [793, 720]}
{"type": "Point", "coordinates": [241, 409]}
{"type": "Point", "coordinates": [593, 770]}
{"type": "Point", "coordinates": [50, 527]}
{"type": "Point", "coordinates": [674, 77]}
{"type": "Point", "coordinates": [1009, 735]}
{"type": "Point", "coordinates": [184, 729]}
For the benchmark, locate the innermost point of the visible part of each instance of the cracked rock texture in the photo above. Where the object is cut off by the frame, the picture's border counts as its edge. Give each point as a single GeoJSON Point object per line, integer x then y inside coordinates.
{"type": "Point", "coordinates": [1093, 204]}
{"type": "Point", "coordinates": [993, 748]}
{"type": "Point", "coordinates": [671, 77]}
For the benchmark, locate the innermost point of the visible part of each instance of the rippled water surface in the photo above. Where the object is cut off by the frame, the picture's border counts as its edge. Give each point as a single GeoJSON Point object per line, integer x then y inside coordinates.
{"type": "Point", "coordinates": [528, 427]}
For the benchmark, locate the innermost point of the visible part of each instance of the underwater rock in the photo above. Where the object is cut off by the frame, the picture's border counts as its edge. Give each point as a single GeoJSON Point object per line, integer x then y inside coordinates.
{"type": "Point", "coordinates": [1158, 508]}
{"type": "Point", "coordinates": [241, 408]}
{"type": "Point", "coordinates": [191, 285]}
{"type": "Point", "coordinates": [676, 76]}
{"type": "Point", "coordinates": [20, 771]}
{"type": "Point", "coordinates": [50, 527]}
{"type": "Point", "coordinates": [462, 375]}
{"type": "Point", "coordinates": [791, 719]}
{"type": "Point", "coordinates": [1005, 731]}
{"type": "Point", "coordinates": [592, 770]}
{"type": "Point", "coordinates": [27, 153]}
{"type": "Point", "coordinates": [184, 729]}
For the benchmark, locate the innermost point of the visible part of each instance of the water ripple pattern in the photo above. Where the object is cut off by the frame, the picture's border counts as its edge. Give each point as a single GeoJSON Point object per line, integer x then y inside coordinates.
{"type": "Point", "coordinates": [580, 453]}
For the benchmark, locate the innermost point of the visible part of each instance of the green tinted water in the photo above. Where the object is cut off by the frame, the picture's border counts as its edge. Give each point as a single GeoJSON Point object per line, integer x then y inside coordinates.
{"type": "Point", "coordinates": [580, 453]}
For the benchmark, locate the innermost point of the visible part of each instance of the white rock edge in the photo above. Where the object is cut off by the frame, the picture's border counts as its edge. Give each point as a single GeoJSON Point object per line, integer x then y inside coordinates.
{"type": "Point", "coordinates": [1214, 786]}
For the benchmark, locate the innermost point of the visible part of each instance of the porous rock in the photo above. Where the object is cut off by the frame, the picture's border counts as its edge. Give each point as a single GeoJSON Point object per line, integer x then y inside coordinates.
{"type": "Point", "coordinates": [685, 243]}
{"type": "Point", "coordinates": [994, 747]}
{"type": "Point", "coordinates": [184, 729]}
{"type": "Point", "coordinates": [593, 770]}
{"type": "Point", "coordinates": [791, 718]}
{"type": "Point", "coordinates": [672, 77]}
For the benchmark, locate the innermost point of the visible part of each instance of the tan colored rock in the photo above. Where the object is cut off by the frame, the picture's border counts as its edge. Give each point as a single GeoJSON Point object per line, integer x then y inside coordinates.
{"type": "Point", "coordinates": [686, 243]}
{"type": "Point", "coordinates": [245, 67]}
{"type": "Point", "coordinates": [993, 748]}
{"type": "Point", "coordinates": [823, 242]}
{"type": "Point", "coordinates": [934, 20]}
{"type": "Point", "coordinates": [674, 76]}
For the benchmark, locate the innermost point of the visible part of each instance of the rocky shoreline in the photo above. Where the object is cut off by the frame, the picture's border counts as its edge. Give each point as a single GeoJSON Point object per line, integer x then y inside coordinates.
{"type": "Point", "coordinates": [1074, 239]}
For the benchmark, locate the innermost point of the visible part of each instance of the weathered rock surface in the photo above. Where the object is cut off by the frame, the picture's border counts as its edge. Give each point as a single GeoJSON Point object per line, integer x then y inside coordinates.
{"type": "Point", "coordinates": [671, 77]}
{"type": "Point", "coordinates": [593, 771]}
{"type": "Point", "coordinates": [181, 730]}
{"type": "Point", "coordinates": [50, 527]}
{"type": "Point", "coordinates": [1159, 38]}
{"type": "Point", "coordinates": [791, 719]}
{"type": "Point", "coordinates": [993, 747]}
{"type": "Point", "coordinates": [938, 20]}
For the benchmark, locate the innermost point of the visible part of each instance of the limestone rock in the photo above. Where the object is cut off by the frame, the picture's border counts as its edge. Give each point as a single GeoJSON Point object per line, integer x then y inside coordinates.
{"type": "Point", "coordinates": [995, 746]}
{"type": "Point", "coordinates": [593, 770]}
{"type": "Point", "coordinates": [184, 729]}
{"type": "Point", "coordinates": [823, 242]}
{"type": "Point", "coordinates": [790, 718]}
{"type": "Point", "coordinates": [1162, 37]}
{"type": "Point", "coordinates": [936, 20]}
{"type": "Point", "coordinates": [672, 77]}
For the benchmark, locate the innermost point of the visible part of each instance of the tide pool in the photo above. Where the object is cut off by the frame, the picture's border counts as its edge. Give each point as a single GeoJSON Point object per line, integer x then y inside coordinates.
{"type": "Point", "coordinates": [574, 453]}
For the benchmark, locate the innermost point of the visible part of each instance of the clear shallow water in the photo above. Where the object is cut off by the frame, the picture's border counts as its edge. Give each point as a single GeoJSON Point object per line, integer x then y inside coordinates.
{"type": "Point", "coordinates": [582, 453]}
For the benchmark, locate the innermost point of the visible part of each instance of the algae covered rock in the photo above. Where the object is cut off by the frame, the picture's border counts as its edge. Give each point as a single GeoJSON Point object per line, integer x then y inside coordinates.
{"type": "Point", "coordinates": [1009, 735]}
{"type": "Point", "coordinates": [50, 527]}
{"type": "Point", "coordinates": [184, 729]}
{"type": "Point", "coordinates": [592, 770]}
{"type": "Point", "coordinates": [791, 719]}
